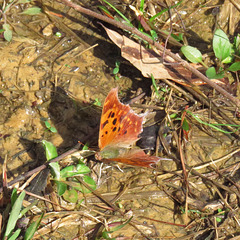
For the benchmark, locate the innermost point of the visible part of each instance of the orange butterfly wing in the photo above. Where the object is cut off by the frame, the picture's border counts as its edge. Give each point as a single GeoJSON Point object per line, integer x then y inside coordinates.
{"type": "Point", "coordinates": [137, 157]}
{"type": "Point", "coordinates": [119, 130]}
{"type": "Point", "coordinates": [119, 124]}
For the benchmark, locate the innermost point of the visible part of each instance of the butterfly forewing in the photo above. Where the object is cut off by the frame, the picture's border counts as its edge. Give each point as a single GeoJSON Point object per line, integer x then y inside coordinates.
{"type": "Point", "coordinates": [119, 124]}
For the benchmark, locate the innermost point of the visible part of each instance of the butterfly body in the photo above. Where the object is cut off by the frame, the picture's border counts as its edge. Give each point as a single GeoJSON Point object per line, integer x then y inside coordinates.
{"type": "Point", "coordinates": [119, 130]}
{"type": "Point", "coordinates": [109, 152]}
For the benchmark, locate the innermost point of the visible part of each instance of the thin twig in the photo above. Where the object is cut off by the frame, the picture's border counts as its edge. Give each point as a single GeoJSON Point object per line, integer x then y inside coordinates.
{"type": "Point", "coordinates": [40, 168]}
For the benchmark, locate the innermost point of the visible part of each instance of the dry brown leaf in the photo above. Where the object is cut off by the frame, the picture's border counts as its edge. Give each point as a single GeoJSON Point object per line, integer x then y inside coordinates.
{"type": "Point", "coordinates": [149, 61]}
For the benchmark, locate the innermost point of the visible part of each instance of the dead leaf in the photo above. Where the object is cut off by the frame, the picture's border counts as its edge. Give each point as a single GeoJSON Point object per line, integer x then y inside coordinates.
{"type": "Point", "coordinates": [150, 62]}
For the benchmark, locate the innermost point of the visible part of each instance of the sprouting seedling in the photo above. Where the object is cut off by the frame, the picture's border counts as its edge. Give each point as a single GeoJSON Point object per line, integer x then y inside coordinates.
{"type": "Point", "coordinates": [58, 34]}
{"type": "Point", "coordinates": [97, 102]}
{"type": "Point", "coordinates": [49, 127]}
{"type": "Point", "coordinates": [116, 70]}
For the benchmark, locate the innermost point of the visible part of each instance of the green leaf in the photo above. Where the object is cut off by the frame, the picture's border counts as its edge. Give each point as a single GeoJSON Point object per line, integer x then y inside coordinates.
{"type": "Point", "coordinates": [78, 186]}
{"type": "Point", "coordinates": [192, 54]}
{"type": "Point", "coordinates": [173, 115]}
{"type": "Point", "coordinates": [227, 60]}
{"type": "Point", "coordinates": [7, 33]}
{"type": "Point", "coordinates": [85, 147]}
{"type": "Point", "coordinates": [164, 89]}
{"type": "Point", "coordinates": [237, 44]}
{"type": "Point", "coordinates": [32, 11]}
{"type": "Point", "coordinates": [47, 124]}
{"type": "Point", "coordinates": [72, 170]}
{"type": "Point", "coordinates": [49, 127]}
{"type": "Point", "coordinates": [58, 34]}
{"type": "Point", "coordinates": [61, 187]}
{"type": "Point", "coordinates": [185, 125]}
{"type": "Point", "coordinates": [164, 10]}
{"type": "Point", "coordinates": [97, 102]}
{"type": "Point", "coordinates": [114, 229]}
{"type": "Point", "coordinates": [234, 67]}
{"type": "Point", "coordinates": [155, 85]}
{"type": "Point", "coordinates": [55, 170]}
{"type": "Point", "coordinates": [14, 215]}
{"type": "Point", "coordinates": [50, 150]}
{"type": "Point", "coordinates": [126, 19]}
{"type": "Point", "coordinates": [105, 236]}
{"type": "Point", "coordinates": [71, 196]}
{"type": "Point", "coordinates": [32, 228]}
{"type": "Point", "coordinates": [105, 10]}
{"type": "Point", "coordinates": [141, 6]}
{"type": "Point", "coordinates": [211, 73]}
{"type": "Point", "coordinates": [221, 45]}
{"type": "Point", "coordinates": [27, 208]}
{"type": "Point", "coordinates": [90, 182]}
{"type": "Point", "coordinates": [115, 70]}
{"type": "Point", "coordinates": [117, 64]}
{"type": "Point", "coordinates": [154, 34]}
{"type": "Point", "coordinates": [53, 129]}
{"type": "Point", "coordinates": [15, 234]}
{"type": "Point", "coordinates": [14, 196]}
{"type": "Point", "coordinates": [178, 37]}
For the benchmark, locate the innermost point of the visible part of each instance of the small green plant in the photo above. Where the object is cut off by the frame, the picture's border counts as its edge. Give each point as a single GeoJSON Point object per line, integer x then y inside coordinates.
{"type": "Point", "coordinates": [155, 86]}
{"type": "Point", "coordinates": [58, 34]}
{"type": "Point", "coordinates": [116, 70]}
{"type": "Point", "coordinates": [97, 102]}
{"type": "Point", "coordinates": [65, 179]}
{"type": "Point", "coordinates": [16, 211]}
{"type": "Point", "coordinates": [49, 127]}
{"type": "Point", "coordinates": [6, 6]}
{"type": "Point", "coordinates": [224, 51]}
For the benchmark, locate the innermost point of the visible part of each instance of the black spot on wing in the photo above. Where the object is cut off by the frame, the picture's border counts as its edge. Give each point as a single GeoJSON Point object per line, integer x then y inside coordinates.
{"type": "Point", "coordinates": [114, 121]}
{"type": "Point", "coordinates": [114, 129]}
{"type": "Point", "coordinates": [104, 124]}
{"type": "Point", "coordinates": [109, 115]}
